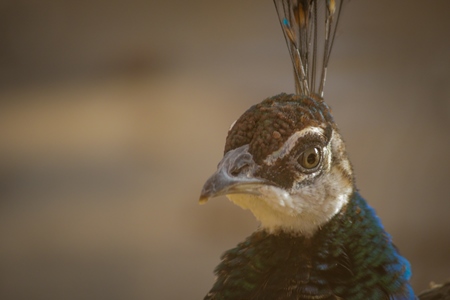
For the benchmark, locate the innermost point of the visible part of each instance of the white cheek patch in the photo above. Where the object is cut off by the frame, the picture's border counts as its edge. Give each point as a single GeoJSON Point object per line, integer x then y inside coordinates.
{"type": "Point", "coordinates": [291, 143]}
{"type": "Point", "coordinates": [302, 212]}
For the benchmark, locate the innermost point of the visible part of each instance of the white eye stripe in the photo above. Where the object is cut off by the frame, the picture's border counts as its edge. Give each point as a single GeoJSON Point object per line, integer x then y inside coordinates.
{"type": "Point", "coordinates": [290, 143]}
{"type": "Point", "coordinates": [232, 125]}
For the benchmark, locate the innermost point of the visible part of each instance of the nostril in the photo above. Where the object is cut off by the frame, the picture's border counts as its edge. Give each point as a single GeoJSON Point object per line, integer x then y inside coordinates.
{"type": "Point", "coordinates": [235, 172]}
{"type": "Point", "coordinates": [239, 170]}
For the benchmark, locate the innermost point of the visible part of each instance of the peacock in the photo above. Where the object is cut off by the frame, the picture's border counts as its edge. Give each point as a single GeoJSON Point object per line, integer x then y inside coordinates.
{"type": "Point", "coordinates": [285, 161]}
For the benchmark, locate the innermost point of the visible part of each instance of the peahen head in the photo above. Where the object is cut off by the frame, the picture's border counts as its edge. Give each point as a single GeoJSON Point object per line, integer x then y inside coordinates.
{"type": "Point", "coordinates": [285, 161]}
{"type": "Point", "coordinates": [284, 158]}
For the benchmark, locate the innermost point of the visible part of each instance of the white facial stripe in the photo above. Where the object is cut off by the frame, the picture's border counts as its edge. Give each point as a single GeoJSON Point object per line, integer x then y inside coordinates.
{"type": "Point", "coordinates": [338, 144]}
{"type": "Point", "coordinates": [232, 125]}
{"type": "Point", "coordinates": [290, 143]}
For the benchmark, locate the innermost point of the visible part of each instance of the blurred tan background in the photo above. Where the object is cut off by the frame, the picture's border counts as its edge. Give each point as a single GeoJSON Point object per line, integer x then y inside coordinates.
{"type": "Point", "coordinates": [114, 113]}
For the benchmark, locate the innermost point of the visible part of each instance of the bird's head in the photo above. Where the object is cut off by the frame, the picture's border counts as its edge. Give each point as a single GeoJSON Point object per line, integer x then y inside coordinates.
{"type": "Point", "coordinates": [285, 161]}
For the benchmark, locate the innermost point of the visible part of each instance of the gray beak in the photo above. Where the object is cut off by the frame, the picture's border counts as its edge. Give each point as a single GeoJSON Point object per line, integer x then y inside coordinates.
{"type": "Point", "coordinates": [234, 175]}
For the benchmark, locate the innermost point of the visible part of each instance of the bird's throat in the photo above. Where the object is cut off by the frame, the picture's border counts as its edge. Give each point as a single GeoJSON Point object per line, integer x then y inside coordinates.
{"type": "Point", "coordinates": [278, 214]}
{"type": "Point", "coordinates": [300, 214]}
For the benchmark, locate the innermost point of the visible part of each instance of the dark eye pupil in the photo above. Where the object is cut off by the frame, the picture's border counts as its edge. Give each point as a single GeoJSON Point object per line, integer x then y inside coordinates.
{"type": "Point", "coordinates": [311, 158]}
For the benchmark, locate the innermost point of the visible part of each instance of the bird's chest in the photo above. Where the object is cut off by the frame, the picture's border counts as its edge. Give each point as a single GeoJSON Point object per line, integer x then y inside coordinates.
{"type": "Point", "coordinates": [305, 273]}
{"type": "Point", "coordinates": [285, 268]}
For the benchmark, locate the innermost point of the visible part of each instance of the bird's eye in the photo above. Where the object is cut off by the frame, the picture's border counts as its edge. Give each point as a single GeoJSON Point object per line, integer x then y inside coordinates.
{"type": "Point", "coordinates": [310, 158]}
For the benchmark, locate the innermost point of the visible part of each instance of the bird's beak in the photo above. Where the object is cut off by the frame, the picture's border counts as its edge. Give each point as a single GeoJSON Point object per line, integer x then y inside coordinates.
{"type": "Point", "coordinates": [234, 175]}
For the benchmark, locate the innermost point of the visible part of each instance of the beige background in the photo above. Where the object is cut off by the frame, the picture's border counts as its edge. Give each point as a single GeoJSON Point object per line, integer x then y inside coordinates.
{"type": "Point", "coordinates": [114, 113]}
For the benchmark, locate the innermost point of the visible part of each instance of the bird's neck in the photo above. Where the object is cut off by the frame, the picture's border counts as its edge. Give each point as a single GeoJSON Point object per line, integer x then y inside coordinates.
{"type": "Point", "coordinates": [352, 250]}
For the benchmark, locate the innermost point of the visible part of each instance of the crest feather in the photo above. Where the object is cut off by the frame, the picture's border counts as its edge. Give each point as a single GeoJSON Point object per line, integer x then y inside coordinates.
{"type": "Point", "coordinates": [309, 28]}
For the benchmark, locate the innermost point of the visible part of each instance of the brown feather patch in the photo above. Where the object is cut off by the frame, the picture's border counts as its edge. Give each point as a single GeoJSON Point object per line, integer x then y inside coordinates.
{"type": "Point", "coordinates": [266, 126]}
